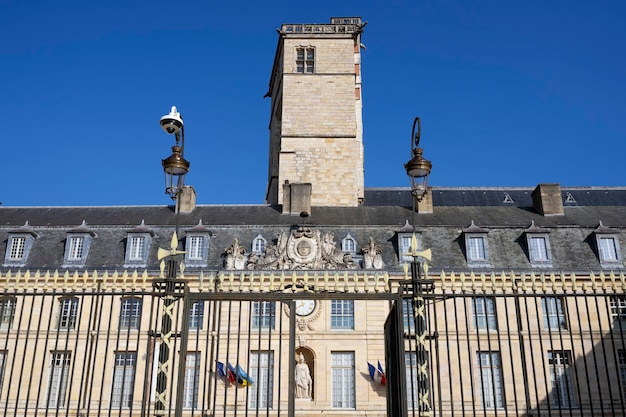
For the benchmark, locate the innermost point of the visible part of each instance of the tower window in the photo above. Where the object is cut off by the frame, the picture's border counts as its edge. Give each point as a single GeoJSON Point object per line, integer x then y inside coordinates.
{"type": "Point", "coordinates": [305, 60]}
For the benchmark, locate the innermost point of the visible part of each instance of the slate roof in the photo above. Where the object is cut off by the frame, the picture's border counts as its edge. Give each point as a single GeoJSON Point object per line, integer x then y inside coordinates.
{"type": "Point", "coordinates": [383, 213]}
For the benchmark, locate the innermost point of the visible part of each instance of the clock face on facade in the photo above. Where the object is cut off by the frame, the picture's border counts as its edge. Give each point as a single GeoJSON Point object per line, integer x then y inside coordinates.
{"type": "Point", "coordinates": [304, 307]}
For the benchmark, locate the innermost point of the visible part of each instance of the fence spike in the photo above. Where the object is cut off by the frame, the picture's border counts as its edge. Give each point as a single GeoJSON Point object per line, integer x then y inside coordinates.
{"type": "Point", "coordinates": [592, 277]}
{"type": "Point", "coordinates": [602, 281]}
{"type": "Point", "coordinates": [612, 276]}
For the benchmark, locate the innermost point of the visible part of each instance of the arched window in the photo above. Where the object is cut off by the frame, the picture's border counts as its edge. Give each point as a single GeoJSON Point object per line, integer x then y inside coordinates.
{"type": "Point", "coordinates": [348, 244]}
{"type": "Point", "coordinates": [258, 244]}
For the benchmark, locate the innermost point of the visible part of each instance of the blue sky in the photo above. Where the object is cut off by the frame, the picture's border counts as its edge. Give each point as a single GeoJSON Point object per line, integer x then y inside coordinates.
{"type": "Point", "coordinates": [509, 93]}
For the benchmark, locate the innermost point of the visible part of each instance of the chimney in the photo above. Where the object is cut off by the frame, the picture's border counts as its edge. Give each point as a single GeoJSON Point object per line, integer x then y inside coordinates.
{"type": "Point", "coordinates": [547, 199]}
{"type": "Point", "coordinates": [186, 200]}
{"type": "Point", "coordinates": [426, 205]}
{"type": "Point", "coordinates": [296, 198]}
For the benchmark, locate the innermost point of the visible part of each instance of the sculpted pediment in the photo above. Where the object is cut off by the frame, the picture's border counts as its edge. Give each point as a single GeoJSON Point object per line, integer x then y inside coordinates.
{"type": "Point", "coordinates": [302, 248]}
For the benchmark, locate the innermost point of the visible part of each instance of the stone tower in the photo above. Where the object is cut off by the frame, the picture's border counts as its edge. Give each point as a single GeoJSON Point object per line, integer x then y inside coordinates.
{"type": "Point", "coordinates": [316, 126]}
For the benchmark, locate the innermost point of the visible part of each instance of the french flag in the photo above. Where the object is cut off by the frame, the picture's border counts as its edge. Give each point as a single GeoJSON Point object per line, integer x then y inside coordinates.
{"type": "Point", "coordinates": [226, 372]}
{"type": "Point", "coordinates": [377, 374]}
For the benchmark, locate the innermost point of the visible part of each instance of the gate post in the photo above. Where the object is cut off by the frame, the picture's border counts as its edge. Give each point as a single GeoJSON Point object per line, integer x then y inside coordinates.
{"type": "Point", "coordinates": [291, 404]}
{"type": "Point", "coordinates": [170, 289]}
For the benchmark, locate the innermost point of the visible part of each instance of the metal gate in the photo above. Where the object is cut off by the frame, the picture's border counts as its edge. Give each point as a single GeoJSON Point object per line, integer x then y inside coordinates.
{"type": "Point", "coordinates": [92, 344]}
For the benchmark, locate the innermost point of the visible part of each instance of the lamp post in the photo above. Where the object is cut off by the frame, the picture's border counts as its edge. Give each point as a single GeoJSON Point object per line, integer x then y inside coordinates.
{"type": "Point", "coordinates": [170, 287]}
{"type": "Point", "coordinates": [418, 169]}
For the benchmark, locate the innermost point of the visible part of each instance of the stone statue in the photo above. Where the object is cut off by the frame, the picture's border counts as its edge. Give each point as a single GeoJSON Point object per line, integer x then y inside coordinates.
{"type": "Point", "coordinates": [303, 379]}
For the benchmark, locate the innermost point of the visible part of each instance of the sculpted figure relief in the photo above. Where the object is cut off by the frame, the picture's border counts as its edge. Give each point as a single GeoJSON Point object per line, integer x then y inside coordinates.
{"type": "Point", "coordinates": [303, 248]}
{"type": "Point", "coordinates": [235, 256]}
{"type": "Point", "coordinates": [304, 382]}
{"type": "Point", "coordinates": [372, 258]}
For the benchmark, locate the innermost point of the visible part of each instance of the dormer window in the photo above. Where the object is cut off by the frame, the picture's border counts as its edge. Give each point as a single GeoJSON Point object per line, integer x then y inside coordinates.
{"type": "Point", "coordinates": [138, 245]}
{"type": "Point", "coordinates": [538, 243]}
{"type": "Point", "coordinates": [136, 248]}
{"type": "Point", "coordinates": [476, 248]}
{"type": "Point", "coordinates": [77, 246]}
{"type": "Point", "coordinates": [258, 245]}
{"type": "Point", "coordinates": [405, 239]}
{"type": "Point", "coordinates": [197, 246]}
{"type": "Point", "coordinates": [16, 248]}
{"type": "Point", "coordinates": [18, 245]}
{"type": "Point", "coordinates": [607, 243]}
{"type": "Point", "coordinates": [348, 244]}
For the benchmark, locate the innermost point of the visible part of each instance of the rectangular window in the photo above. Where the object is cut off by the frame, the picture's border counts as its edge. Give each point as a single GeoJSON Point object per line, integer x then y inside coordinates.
{"type": "Point", "coordinates": [195, 250]}
{"type": "Point", "coordinates": [68, 311]}
{"type": "Point", "coordinates": [553, 313]}
{"type": "Point", "coordinates": [538, 249]}
{"type": "Point", "coordinates": [262, 373]}
{"type": "Point", "coordinates": [342, 377]}
{"type": "Point", "coordinates": [136, 248]}
{"type": "Point", "coordinates": [58, 377]}
{"type": "Point", "coordinates": [490, 379]}
{"type": "Point", "coordinates": [18, 244]}
{"type": "Point", "coordinates": [196, 315]}
{"type": "Point", "coordinates": [7, 312]}
{"type": "Point", "coordinates": [123, 380]}
{"type": "Point", "coordinates": [621, 360]}
{"type": "Point", "coordinates": [618, 312]}
{"type": "Point", "coordinates": [130, 313]}
{"type": "Point", "coordinates": [410, 363]}
{"type": "Point", "coordinates": [263, 314]}
{"type": "Point", "coordinates": [342, 314]}
{"type": "Point", "coordinates": [607, 248]}
{"type": "Point", "coordinates": [476, 248]}
{"type": "Point", "coordinates": [485, 313]}
{"type": "Point", "coordinates": [561, 378]}
{"type": "Point", "coordinates": [3, 355]}
{"type": "Point", "coordinates": [192, 380]}
{"type": "Point", "coordinates": [408, 316]}
{"type": "Point", "coordinates": [75, 251]}
{"type": "Point", "coordinates": [305, 60]}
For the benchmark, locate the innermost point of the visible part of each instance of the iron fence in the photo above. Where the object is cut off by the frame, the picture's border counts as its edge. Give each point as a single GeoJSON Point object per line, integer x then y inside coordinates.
{"type": "Point", "coordinates": [512, 347]}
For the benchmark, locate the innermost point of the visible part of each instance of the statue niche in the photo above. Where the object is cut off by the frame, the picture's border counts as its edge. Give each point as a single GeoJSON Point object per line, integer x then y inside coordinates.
{"type": "Point", "coordinates": [303, 379]}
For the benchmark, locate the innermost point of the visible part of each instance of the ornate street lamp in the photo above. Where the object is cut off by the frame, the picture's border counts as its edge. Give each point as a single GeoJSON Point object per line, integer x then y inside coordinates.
{"type": "Point", "coordinates": [418, 168]}
{"type": "Point", "coordinates": [175, 166]}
